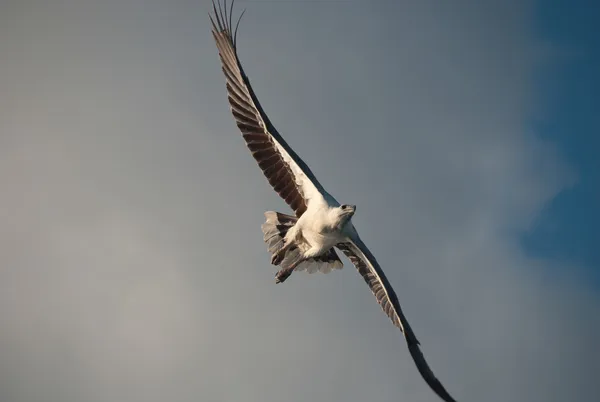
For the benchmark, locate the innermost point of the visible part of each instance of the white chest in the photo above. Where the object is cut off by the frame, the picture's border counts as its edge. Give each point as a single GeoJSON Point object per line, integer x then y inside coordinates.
{"type": "Point", "coordinates": [318, 229]}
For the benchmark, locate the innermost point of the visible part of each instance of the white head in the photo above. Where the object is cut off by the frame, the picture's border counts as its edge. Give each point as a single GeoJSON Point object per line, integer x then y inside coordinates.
{"type": "Point", "coordinates": [344, 213]}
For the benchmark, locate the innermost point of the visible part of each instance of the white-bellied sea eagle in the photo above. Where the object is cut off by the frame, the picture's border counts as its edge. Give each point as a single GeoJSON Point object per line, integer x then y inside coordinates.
{"type": "Point", "coordinates": [307, 240]}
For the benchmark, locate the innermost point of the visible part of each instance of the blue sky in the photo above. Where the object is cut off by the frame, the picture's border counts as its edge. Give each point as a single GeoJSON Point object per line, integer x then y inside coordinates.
{"type": "Point", "coordinates": [568, 228]}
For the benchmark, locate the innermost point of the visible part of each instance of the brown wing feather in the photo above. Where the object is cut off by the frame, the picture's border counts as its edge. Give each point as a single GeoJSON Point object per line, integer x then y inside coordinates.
{"type": "Point", "coordinates": [260, 136]}
{"type": "Point", "coordinates": [367, 266]}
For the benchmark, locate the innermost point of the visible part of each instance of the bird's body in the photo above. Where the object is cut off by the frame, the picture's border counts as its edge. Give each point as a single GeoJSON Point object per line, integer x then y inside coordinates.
{"type": "Point", "coordinates": [308, 240]}
{"type": "Point", "coordinates": [311, 238]}
{"type": "Point", "coordinates": [319, 229]}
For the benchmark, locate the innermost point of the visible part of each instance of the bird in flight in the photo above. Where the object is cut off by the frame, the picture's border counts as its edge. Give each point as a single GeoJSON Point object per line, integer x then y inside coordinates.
{"type": "Point", "coordinates": [307, 240]}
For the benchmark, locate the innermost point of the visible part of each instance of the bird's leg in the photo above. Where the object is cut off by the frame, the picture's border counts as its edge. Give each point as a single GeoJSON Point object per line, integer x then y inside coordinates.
{"type": "Point", "coordinates": [279, 255]}
{"type": "Point", "coordinates": [288, 241]}
{"type": "Point", "coordinates": [285, 273]}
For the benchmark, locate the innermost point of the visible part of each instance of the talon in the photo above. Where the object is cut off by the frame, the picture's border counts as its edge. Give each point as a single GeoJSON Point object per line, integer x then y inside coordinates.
{"type": "Point", "coordinates": [276, 259]}
{"type": "Point", "coordinates": [282, 275]}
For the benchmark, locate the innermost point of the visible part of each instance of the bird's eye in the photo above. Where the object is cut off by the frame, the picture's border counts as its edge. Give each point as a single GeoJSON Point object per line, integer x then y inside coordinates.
{"type": "Point", "coordinates": [345, 206]}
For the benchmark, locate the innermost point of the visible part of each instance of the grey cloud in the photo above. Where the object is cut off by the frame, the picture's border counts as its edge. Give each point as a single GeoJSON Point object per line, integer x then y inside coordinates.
{"type": "Point", "coordinates": [132, 263]}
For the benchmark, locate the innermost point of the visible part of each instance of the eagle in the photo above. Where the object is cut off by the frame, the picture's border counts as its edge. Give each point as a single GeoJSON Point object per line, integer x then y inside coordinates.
{"type": "Point", "coordinates": [308, 239]}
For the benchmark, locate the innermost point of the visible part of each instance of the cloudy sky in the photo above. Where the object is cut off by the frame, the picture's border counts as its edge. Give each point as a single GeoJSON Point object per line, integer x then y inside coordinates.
{"type": "Point", "coordinates": [132, 266]}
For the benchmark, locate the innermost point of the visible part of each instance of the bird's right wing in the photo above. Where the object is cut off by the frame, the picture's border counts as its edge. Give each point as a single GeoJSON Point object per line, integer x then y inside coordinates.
{"type": "Point", "coordinates": [285, 171]}
{"type": "Point", "coordinates": [369, 268]}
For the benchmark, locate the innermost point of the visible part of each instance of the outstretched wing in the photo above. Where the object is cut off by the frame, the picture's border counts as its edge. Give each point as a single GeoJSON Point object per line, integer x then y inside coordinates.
{"type": "Point", "coordinates": [285, 171]}
{"type": "Point", "coordinates": [372, 273]}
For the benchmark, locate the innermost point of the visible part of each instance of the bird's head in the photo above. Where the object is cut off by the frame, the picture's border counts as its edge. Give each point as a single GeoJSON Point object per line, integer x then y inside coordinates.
{"type": "Point", "coordinates": [345, 212]}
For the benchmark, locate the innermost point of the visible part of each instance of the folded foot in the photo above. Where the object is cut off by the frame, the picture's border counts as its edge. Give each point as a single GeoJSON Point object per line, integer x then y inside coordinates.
{"type": "Point", "coordinates": [277, 258]}
{"type": "Point", "coordinates": [280, 255]}
{"type": "Point", "coordinates": [282, 275]}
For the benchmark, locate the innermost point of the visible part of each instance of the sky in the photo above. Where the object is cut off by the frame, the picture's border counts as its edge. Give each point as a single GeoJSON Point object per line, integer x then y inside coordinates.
{"type": "Point", "coordinates": [568, 226]}
{"type": "Point", "coordinates": [132, 265]}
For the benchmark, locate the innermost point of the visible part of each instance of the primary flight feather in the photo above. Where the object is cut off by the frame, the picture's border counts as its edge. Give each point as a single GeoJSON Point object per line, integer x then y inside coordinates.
{"type": "Point", "coordinates": [308, 239]}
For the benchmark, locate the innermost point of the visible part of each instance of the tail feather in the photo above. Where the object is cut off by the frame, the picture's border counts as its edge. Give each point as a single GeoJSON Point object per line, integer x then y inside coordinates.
{"type": "Point", "coordinates": [275, 229]}
{"type": "Point", "coordinates": [292, 256]}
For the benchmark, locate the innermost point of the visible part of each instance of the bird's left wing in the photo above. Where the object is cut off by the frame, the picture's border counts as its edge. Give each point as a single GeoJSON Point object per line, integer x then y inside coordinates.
{"type": "Point", "coordinates": [367, 266]}
{"type": "Point", "coordinates": [286, 172]}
